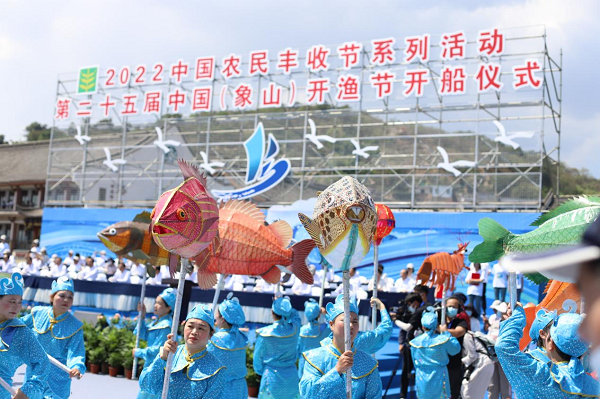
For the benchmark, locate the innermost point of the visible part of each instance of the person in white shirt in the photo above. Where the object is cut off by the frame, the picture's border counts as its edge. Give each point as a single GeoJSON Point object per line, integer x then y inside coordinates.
{"type": "Point", "coordinates": [122, 275]}
{"type": "Point", "coordinates": [27, 267]}
{"type": "Point", "coordinates": [235, 282]}
{"type": "Point", "coordinates": [58, 269]}
{"type": "Point", "coordinates": [403, 283]}
{"type": "Point", "coordinates": [137, 270]}
{"type": "Point", "coordinates": [110, 267]}
{"type": "Point", "coordinates": [356, 283]}
{"type": "Point", "coordinates": [69, 259]}
{"type": "Point", "coordinates": [475, 279]}
{"type": "Point", "coordinates": [382, 280]}
{"type": "Point", "coordinates": [300, 288]}
{"type": "Point", "coordinates": [35, 247]}
{"type": "Point", "coordinates": [43, 255]}
{"type": "Point", "coordinates": [3, 244]}
{"type": "Point", "coordinates": [101, 259]}
{"type": "Point", "coordinates": [7, 263]}
{"type": "Point", "coordinates": [263, 286]}
{"type": "Point", "coordinates": [410, 268]}
{"type": "Point", "coordinates": [500, 282]}
{"type": "Point", "coordinates": [89, 271]}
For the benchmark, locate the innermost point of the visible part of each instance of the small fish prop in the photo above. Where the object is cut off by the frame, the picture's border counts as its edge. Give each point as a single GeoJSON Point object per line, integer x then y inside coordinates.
{"type": "Point", "coordinates": [385, 222]}
{"type": "Point", "coordinates": [563, 226]}
{"type": "Point", "coordinates": [442, 268]}
{"type": "Point", "coordinates": [132, 240]}
{"type": "Point", "coordinates": [185, 219]}
{"type": "Point", "coordinates": [559, 297]}
{"type": "Point", "coordinates": [344, 223]}
{"type": "Point", "coordinates": [245, 245]}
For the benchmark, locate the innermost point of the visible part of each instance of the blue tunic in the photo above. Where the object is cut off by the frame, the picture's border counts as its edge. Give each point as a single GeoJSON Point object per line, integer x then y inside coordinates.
{"type": "Point", "coordinates": [275, 354]}
{"type": "Point", "coordinates": [200, 375]}
{"type": "Point", "coordinates": [430, 353]}
{"type": "Point", "coordinates": [19, 346]}
{"type": "Point", "coordinates": [311, 335]}
{"type": "Point", "coordinates": [321, 380]}
{"type": "Point", "coordinates": [155, 334]}
{"type": "Point", "coordinates": [371, 341]}
{"type": "Point", "coordinates": [61, 338]}
{"type": "Point", "coordinates": [229, 346]}
{"type": "Point", "coordinates": [532, 378]}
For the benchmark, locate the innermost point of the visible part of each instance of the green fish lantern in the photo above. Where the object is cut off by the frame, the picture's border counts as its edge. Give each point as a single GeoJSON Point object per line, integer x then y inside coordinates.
{"type": "Point", "coordinates": [344, 223]}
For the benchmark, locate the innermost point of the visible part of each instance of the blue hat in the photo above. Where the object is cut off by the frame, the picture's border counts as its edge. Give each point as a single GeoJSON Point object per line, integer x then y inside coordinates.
{"type": "Point", "coordinates": [429, 320]}
{"type": "Point", "coordinates": [542, 319]}
{"type": "Point", "coordinates": [169, 295]}
{"type": "Point", "coordinates": [282, 306]}
{"type": "Point", "coordinates": [334, 310]}
{"type": "Point", "coordinates": [311, 309]}
{"type": "Point", "coordinates": [63, 283]}
{"type": "Point", "coordinates": [202, 312]}
{"type": "Point", "coordinates": [231, 310]}
{"type": "Point", "coordinates": [565, 336]}
{"type": "Point", "coordinates": [12, 286]}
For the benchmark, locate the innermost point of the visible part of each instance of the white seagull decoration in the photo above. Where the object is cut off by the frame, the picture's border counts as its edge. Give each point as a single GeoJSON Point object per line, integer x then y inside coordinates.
{"type": "Point", "coordinates": [451, 166]}
{"type": "Point", "coordinates": [316, 140]}
{"type": "Point", "coordinates": [362, 151]}
{"type": "Point", "coordinates": [162, 144]}
{"type": "Point", "coordinates": [209, 166]}
{"type": "Point", "coordinates": [79, 137]}
{"type": "Point", "coordinates": [508, 140]}
{"type": "Point", "coordinates": [112, 164]}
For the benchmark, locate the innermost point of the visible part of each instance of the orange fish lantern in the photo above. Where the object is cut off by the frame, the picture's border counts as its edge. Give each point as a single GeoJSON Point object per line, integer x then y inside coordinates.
{"type": "Point", "coordinates": [385, 222]}
{"type": "Point", "coordinates": [441, 269]}
{"type": "Point", "coordinates": [185, 219]}
{"type": "Point", "coordinates": [245, 245]}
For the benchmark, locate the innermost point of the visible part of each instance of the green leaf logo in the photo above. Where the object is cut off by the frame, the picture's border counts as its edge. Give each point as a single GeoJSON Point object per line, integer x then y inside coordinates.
{"type": "Point", "coordinates": [87, 82]}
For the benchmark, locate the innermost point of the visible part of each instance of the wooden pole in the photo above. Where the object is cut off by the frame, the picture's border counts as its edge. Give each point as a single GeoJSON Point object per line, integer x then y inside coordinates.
{"type": "Point", "coordinates": [512, 289]}
{"type": "Point", "coordinates": [185, 266]}
{"type": "Point", "coordinates": [375, 283]}
{"type": "Point", "coordinates": [220, 283]}
{"type": "Point", "coordinates": [139, 326]}
{"type": "Point", "coordinates": [347, 339]}
{"type": "Point", "coordinates": [10, 389]}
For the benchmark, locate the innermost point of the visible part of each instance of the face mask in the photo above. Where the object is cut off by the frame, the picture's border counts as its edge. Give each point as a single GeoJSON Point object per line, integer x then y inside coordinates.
{"type": "Point", "coordinates": [499, 314]}
{"type": "Point", "coordinates": [411, 309]}
{"type": "Point", "coordinates": [469, 313]}
{"type": "Point", "coordinates": [451, 311]}
{"type": "Point", "coordinates": [594, 359]}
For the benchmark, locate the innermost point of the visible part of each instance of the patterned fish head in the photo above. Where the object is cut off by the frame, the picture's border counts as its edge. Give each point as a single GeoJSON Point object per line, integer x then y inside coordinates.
{"type": "Point", "coordinates": [118, 236]}
{"type": "Point", "coordinates": [185, 217]}
{"type": "Point", "coordinates": [344, 222]}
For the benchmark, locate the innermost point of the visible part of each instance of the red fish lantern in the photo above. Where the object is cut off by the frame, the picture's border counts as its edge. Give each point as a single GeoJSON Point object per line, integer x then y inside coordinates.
{"type": "Point", "coordinates": [385, 222]}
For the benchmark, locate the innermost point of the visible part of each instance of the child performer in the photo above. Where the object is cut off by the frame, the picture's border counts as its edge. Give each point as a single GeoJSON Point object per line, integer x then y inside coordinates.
{"type": "Point", "coordinates": [196, 373]}
{"type": "Point", "coordinates": [431, 353]}
{"type": "Point", "coordinates": [312, 333]}
{"type": "Point", "coordinates": [563, 376]}
{"type": "Point", "coordinates": [275, 353]}
{"type": "Point", "coordinates": [155, 333]}
{"type": "Point", "coordinates": [18, 344]}
{"type": "Point", "coordinates": [540, 328]}
{"type": "Point", "coordinates": [229, 344]}
{"type": "Point", "coordinates": [61, 336]}
{"type": "Point", "coordinates": [325, 368]}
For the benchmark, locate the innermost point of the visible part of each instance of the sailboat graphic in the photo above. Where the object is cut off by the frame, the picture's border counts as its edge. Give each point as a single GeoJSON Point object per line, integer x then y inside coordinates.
{"type": "Point", "coordinates": [263, 172]}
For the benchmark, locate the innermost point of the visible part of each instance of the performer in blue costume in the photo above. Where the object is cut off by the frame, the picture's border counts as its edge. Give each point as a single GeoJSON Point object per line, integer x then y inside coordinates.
{"type": "Point", "coordinates": [562, 377]}
{"type": "Point", "coordinates": [276, 351]}
{"type": "Point", "coordinates": [61, 336]}
{"type": "Point", "coordinates": [229, 344]}
{"type": "Point", "coordinates": [196, 373]}
{"type": "Point", "coordinates": [540, 328]}
{"type": "Point", "coordinates": [18, 344]}
{"type": "Point", "coordinates": [312, 333]}
{"type": "Point", "coordinates": [374, 340]}
{"type": "Point", "coordinates": [431, 353]}
{"type": "Point", "coordinates": [325, 368]}
{"type": "Point", "coordinates": [155, 333]}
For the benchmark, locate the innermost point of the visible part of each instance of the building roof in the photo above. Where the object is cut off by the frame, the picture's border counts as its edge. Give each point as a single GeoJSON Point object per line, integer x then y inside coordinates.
{"type": "Point", "coordinates": [24, 162]}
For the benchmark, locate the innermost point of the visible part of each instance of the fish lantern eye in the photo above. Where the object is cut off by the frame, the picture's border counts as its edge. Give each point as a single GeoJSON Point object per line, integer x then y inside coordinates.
{"type": "Point", "coordinates": [112, 231]}
{"type": "Point", "coordinates": [181, 214]}
{"type": "Point", "coordinates": [355, 213]}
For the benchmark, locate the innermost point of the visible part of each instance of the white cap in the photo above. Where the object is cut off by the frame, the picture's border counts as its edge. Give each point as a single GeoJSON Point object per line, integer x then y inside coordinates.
{"type": "Point", "coordinates": [43, 249]}
{"type": "Point", "coordinates": [53, 256]}
{"type": "Point", "coordinates": [3, 237]}
{"type": "Point", "coordinates": [6, 251]}
{"type": "Point", "coordinates": [410, 266]}
{"type": "Point", "coordinates": [495, 304]}
{"type": "Point", "coordinates": [36, 241]}
{"type": "Point", "coordinates": [70, 251]}
{"type": "Point", "coordinates": [103, 252]}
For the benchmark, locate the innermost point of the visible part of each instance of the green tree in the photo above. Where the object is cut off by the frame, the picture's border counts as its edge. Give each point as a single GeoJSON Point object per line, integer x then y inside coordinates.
{"type": "Point", "coordinates": [36, 131]}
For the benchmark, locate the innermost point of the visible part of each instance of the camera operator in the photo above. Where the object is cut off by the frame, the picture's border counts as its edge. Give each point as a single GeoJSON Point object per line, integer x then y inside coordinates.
{"type": "Point", "coordinates": [416, 303]}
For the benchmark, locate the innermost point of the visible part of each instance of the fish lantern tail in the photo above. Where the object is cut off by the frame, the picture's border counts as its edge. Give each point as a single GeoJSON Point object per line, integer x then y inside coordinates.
{"type": "Point", "coordinates": [300, 252]}
{"type": "Point", "coordinates": [494, 236]}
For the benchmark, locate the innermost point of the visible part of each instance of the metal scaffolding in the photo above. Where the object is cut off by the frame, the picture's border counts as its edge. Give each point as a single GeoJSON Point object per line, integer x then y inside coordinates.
{"type": "Point", "coordinates": [402, 172]}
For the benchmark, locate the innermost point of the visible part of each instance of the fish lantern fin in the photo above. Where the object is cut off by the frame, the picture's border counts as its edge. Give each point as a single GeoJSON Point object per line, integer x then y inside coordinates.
{"type": "Point", "coordinates": [492, 247]}
{"type": "Point", "coordinates": [571, 205]}
{"type": "Point", "coordinates": [206, 279]}
{"type": "Point", "coordinates": [319, 193]}
{"type": "Point", "coordinates": [150, 270]}
{"type": "Point", "coordinates": [143, 217]}
{"type": "Point", "coordinates": [173, 261]}
{"type": "Point", "coordinates": [190, 170]}
{"type": "Point", "coordinates": [245, 207]}
{"type": "Point", "coordinates": [283, 231]}
{"type": "Point", "coordinates": [312, 228]}
{"type": "Point", "coordinates": [300, 252]}
{"type": "Point", "coordinates": [272, 276]}
{"type": "Point", "coordinates": [139, 254]}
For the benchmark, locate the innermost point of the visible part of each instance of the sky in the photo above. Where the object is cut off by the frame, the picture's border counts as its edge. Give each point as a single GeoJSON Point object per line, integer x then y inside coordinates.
{"type": "Point", "coordinates": [41, 39]}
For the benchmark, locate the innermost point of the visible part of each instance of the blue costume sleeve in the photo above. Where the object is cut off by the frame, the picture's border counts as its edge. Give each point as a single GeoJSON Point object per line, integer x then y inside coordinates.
{"type": "Point", "coordinates": [373, 389]}
{"type": "Point", "coordinates": [152, 377]}
{"type": "Point", "coordinates": [32, 353]}
{"type": "Point", "coordinates": [27, 320]}
{"type": "Point", "coordinates": [150, 352]}
{"type": "Point", "coordinates": [374, 340]}
{"type": "Point", "coordinates": [217, 387]}
{"type": "Point", "coordinates": [76, 353]}
{"type": "Point", "coordinates": [257, 361]}
{"type": "Point", "coordinates": [143, 331]}
{"type": "Point", "coordinates": [314, 384]}
{"type": "Point", "coordinates": [452, 345]}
